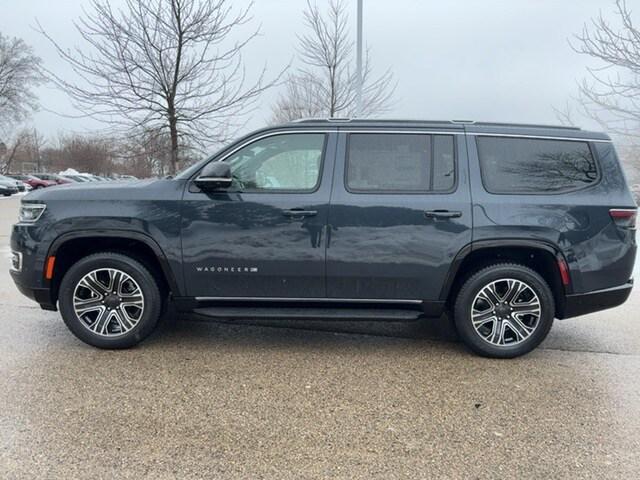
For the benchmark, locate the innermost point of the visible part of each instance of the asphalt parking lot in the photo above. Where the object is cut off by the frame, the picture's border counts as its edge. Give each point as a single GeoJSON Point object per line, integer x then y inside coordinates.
{"type": "Point", "coordinates": [314, 400]}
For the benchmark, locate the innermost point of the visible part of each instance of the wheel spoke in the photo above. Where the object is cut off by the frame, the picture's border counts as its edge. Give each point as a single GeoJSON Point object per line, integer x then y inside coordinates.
{"type": "Point", "coordinates": [480, 318]}
{"type": "Point", "coordinates": [127, 318]}
{"type": "Point", "coordinates": [515, 289]}
{"type": "Point", "coordinates": [497, 333]}
{"type": "Point", "coordinates": [135, 298]}
{"type": "Point", "coordinates": [519, 328]}
{"type": "Point", "coordinates": [86, 306]}
{"type": "Point", "coordinates": [487, 296]}
{"type": "Point", "coordinates": [120, 320]}
{"type": "Point", "coordinates": [532, 308]}
{"type": "Point", "coordinates": [92, 283]}
{"type": "Point", "coordinates": [100, 322]}
{"type": "Point", "coordinates": [115, 280]}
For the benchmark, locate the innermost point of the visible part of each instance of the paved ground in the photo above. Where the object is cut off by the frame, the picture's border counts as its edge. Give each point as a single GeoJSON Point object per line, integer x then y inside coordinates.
{"type": "Point", "coordinates": [305, 400]}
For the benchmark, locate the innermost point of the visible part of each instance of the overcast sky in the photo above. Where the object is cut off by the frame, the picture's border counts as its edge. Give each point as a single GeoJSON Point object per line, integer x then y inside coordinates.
{"type": "Point", "coordinates": [495, 60]}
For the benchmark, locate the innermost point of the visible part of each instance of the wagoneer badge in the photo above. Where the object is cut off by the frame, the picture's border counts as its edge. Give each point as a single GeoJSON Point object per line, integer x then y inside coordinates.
{"type": "Point", "coordinates": [227, 269]}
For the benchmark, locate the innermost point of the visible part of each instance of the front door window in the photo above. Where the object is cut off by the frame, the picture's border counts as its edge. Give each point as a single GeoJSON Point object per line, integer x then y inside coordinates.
{"type": "Point", "coordinates": [289, 163]}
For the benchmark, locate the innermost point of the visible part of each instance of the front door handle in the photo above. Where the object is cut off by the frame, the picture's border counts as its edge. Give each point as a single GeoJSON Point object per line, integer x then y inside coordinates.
{"type": "Point", "coordinates": [443, 214]}
{"type": "Point", "coordinates": [299, 213]}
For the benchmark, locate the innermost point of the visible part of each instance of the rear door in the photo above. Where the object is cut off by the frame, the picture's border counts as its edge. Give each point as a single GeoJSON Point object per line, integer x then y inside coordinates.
{"type": "Point", "coordinates": [400, 211]}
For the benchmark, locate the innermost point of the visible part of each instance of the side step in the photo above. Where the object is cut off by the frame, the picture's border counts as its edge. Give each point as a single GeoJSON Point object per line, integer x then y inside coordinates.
{"type": "Point", "coordinates": [310, 313]}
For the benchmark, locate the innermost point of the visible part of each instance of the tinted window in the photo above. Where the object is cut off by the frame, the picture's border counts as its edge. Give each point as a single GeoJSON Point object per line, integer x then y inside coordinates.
{"type": "Point", "coordinates": [400, 163]}
{"type": "Point", "coordinates": [525, 165]}
{"type": "Point", "coordinates": [281, 162]}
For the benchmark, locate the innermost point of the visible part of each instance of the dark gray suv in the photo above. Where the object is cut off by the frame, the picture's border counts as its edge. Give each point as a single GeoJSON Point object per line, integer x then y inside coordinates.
{"type": "Point", "coordinates": [506, 227]}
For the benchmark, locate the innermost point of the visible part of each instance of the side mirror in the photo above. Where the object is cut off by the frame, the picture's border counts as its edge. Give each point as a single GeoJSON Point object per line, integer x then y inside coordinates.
{"type": "Point", "coordinates": [215, 176]}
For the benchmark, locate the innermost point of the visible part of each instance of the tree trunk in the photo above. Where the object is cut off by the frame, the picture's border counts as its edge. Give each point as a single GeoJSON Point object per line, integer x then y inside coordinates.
{"type": "Point", "coordinates": [173, 129]}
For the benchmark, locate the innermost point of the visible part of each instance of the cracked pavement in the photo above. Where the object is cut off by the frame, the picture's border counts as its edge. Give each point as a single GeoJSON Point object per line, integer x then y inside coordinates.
{"type": "Point", "coordinates": [314, 400]}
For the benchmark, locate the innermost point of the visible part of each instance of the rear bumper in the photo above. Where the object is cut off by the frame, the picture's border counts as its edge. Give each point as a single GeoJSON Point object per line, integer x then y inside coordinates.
{"type": "Point", "coordinates": [584, 303]}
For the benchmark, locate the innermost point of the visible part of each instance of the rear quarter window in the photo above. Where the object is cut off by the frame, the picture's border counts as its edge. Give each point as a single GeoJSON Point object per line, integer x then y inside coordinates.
{"type": "Point", "coordinates": [534, 166]}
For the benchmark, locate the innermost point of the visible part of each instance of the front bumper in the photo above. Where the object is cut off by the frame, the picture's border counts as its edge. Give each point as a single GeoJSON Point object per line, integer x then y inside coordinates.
{"type": "Point", "coordinates": [39, 295]}
{"type": "Point", "coordinates": [28, 243]}
{"type": "Point", "coordinates": [584, 303]}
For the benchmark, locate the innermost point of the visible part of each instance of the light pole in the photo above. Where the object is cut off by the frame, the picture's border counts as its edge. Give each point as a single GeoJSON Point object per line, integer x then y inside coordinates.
{"type": "Point", "coordinates": [359, 62]}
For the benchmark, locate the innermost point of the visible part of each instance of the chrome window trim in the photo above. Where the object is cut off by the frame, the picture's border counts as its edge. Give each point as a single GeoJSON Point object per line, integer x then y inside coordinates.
{"type": "Point", "coordinates": [347, 129]}
{"type": "Point", "coordinates": [539, 137]}
{"type": "Point", "coordinates": [405, 132]}
{"type": "Point", "coordinates": [477, 134]}
{"type": "Point", "coordinates": [260, 137]}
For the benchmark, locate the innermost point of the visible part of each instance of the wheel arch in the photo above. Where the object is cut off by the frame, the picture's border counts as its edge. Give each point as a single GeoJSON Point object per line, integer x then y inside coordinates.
{"type": "Point", "coordinates": [542, 257]}
{"type": "Point", "coordinates": [72, 246]}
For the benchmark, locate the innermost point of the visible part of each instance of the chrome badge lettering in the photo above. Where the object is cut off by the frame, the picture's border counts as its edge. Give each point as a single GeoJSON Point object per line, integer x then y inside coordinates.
{"type": "Point", "coordinates": [238, 269]}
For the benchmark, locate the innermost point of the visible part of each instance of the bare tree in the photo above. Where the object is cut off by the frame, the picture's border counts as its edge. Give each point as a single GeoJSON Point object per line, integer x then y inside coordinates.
{"type": "Point", "coordinates": [19, 75]}
{"type": "Point", "coordinates": [565, 115]}
{"type": "Point", "coordinates": [326, 84]}
{"type": "Point", "coordinates": [85, 153]}
{"type": "Point", "coordinates": [611, 92]}
{"type": "Point", "coordinates": [13, 150]}
{"type": "Point", "coordinates": [163, 65]}
{"type": "Point", "coordinates": [146, 155]}
{"type": "Point", "coordinates": [34, 146]}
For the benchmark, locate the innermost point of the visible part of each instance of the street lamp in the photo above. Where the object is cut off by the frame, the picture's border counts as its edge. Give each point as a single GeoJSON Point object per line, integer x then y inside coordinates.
{"type": "Point", "coordinates": [359, 62]}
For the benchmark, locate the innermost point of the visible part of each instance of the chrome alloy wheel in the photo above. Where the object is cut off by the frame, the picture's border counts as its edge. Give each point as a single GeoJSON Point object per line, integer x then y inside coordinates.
{"type": "Point", "coordinates": [506, 312]}
{"type": "Point", "coordinates": [108, 302]}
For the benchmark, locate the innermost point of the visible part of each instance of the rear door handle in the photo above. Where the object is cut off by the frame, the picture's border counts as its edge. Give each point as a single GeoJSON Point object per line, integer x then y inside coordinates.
{"type": "Point", "coordinates": [298, 213]}
{"type": "Point", "coordinates": [443, 214]}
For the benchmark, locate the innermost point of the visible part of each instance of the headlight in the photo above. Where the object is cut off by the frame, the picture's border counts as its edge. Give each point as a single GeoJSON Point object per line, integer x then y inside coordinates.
{"type": "Point", "coordinates": [31, 212]}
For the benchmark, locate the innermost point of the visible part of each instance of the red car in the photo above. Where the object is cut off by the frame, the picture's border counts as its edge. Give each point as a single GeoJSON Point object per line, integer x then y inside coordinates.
{"type": "Point", "coordinates": [35, 182]}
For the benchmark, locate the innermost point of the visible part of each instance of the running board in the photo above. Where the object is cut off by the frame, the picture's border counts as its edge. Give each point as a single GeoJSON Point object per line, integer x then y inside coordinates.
{"type": "Point", "coordinates": [310, 313]}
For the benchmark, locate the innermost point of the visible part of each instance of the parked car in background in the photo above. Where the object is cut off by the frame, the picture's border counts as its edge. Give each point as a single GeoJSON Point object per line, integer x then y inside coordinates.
{"type": "Point", "coordinates": [7, 186]}
{"type": "Point", "coordinates": [52, 177]}
{"type": "Point", "coordinates": [20, 185]}
{"type": "Point", "coordinates": [32, 181]}
{"type": "Point", "coordinates": [76, 178]}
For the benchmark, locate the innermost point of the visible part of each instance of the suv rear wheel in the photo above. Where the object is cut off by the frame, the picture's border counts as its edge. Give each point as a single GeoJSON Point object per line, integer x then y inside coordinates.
{"type": "Point", "coordinates": [504, 311]}
{"type": "Point", "coordinates": [110, 300]}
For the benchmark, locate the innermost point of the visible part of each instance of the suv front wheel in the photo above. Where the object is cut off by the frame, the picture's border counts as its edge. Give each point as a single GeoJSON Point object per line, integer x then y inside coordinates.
{"type": "Point", "coordinates": [110, 300]}
{"type": "Point", "coordinates": [504, 311]}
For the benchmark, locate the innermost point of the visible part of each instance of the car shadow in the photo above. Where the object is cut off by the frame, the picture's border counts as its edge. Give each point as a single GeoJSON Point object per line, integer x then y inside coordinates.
{"type": "Point", "coordinates": [198, 329]}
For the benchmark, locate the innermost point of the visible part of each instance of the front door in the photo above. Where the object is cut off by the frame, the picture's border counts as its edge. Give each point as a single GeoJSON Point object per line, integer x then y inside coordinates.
{"type": "Point", "coordinates": [265, 236]}
{"type": "Point", "coordinates": [400, 212]}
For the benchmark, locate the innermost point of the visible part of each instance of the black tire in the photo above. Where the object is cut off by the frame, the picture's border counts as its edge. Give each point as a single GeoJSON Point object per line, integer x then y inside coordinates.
{"type": "Point", "coordinates": [472, 287]}
{"type": "Point", "coordinates": [148, 319]}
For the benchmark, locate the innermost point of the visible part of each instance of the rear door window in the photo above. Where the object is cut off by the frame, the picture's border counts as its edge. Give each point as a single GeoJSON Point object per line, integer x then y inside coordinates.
{"type": "Point", "coordinates": [531, 165]}
{"type": "Point", "coordinates": [392, 162]}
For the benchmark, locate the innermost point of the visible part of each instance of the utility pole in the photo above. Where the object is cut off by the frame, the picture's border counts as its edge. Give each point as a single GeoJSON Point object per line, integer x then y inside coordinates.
{"type": "Point", "coordinates": [359, 62]}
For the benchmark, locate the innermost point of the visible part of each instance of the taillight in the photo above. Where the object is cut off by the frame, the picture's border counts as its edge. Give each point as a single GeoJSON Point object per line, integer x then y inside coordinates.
{"type": "Point", "coordinates": [624, 217]}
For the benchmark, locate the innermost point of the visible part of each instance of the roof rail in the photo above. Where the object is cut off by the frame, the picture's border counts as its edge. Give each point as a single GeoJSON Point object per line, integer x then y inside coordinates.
{"type": "Point", "coordinates": [441, 122]}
